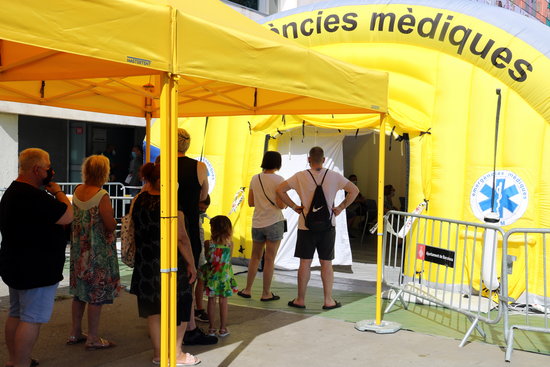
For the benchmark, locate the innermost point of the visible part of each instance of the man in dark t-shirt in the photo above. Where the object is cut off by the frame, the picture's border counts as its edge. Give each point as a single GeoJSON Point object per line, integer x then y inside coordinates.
{"type": "Point", "coordinates": [32, 252]}
{"type": "Point", "coordinates": [192, 188]}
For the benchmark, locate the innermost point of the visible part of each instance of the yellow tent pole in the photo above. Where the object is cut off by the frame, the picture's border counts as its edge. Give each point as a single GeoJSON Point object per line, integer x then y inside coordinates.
{"type": "Point", "coordinates": [168, 219]}
{"type": "Point", "coordinates": [147, 137]}
{"type": "Point", "coordinates": [172, 180]}
{"type": "Point", "coordinates": [380, 230]}
{"type": "Point", "coordinates": [148, 113]}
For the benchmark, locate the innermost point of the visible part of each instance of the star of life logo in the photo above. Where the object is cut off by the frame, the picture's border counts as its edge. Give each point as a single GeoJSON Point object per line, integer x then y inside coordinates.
{"type": "Point", "coordinates": [510, 197]}
{"type": "Point", "coordinates": [211, 174]}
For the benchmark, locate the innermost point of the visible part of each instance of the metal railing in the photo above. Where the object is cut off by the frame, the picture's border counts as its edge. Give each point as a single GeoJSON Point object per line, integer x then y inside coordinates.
{"type": "Point", "coordinates": [113, 188]}
{"type": "Point", "coordinates": [530, 311]}
{"type": "Point", "coordinates": [443, 262]}
{"type": "Point", "coordinates": [120, 195]}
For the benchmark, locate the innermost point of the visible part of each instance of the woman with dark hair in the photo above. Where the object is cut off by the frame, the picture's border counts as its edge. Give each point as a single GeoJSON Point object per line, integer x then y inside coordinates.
{"type": "Point", "coordinates": [146, 276]}
{"type": "Point", "coordinates": [267, 224]}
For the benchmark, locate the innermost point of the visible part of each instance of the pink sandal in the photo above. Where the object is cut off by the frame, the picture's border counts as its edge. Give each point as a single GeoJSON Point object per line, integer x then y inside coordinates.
{"type": "Point", "coordinates": [190, 360]}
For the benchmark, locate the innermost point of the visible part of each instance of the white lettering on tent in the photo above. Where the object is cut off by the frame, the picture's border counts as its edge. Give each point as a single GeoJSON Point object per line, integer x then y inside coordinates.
{"type": "Point", "coordinates": [138, 61]}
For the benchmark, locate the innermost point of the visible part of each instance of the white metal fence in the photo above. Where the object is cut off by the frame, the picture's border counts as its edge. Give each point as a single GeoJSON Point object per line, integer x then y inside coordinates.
{"type": "Point", "coordinates": [467, 267]}
{"type": "Point", "coordinates": [446, 263]}
{"type": "Point", "coordinates": [530, 311]}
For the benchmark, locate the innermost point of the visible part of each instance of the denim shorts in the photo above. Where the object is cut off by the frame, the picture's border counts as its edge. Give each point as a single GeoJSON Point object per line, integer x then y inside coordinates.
{"type": "Point", "coordinates": [32, 305]}
{"type": "Point", "coordinates": [270, 233]}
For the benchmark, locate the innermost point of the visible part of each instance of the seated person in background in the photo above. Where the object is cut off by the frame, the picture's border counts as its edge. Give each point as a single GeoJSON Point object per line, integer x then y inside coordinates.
{"type": "Point", "coordinates": [357, 208]}
{"type": "Point", "coordinates": [389, 193]}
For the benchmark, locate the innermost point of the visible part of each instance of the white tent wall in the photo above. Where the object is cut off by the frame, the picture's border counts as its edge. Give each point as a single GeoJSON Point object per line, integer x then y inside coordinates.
{"type": "Point", "coordinates": [294, 150]}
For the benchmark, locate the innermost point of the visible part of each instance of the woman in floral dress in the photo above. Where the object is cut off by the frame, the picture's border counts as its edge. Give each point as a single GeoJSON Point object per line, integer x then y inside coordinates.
{"type": "Point", "coordinates": [94, 274]}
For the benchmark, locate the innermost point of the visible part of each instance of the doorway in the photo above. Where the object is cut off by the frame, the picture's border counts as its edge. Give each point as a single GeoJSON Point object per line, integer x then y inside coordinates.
{"type": "Point", "coordinates": [361, 159]}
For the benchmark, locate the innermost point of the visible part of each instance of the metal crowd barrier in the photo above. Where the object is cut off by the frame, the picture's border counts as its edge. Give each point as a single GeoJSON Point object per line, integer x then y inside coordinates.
{"type": "Point", "coordinates": [531, 310]}
{"type": "Point", "coordinates": [113, 188]}
{"type": "Point", "coordinates": [443, 262]}
{"type": "Point", "coordinates": [121, 197]}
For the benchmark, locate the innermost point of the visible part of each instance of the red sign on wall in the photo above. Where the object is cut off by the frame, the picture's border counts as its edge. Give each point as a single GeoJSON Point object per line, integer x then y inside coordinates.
{"type": "Point", "coordinates": [420, 251]}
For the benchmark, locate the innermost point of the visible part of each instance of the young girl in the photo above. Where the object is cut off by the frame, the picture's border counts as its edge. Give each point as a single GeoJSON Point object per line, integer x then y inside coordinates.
{"type": "Point", "coordinates": [217, 273]}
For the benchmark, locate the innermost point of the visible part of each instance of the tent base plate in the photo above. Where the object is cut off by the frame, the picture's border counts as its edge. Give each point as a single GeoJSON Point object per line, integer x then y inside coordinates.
{"type": "Point", "coordinates": [385, 327]}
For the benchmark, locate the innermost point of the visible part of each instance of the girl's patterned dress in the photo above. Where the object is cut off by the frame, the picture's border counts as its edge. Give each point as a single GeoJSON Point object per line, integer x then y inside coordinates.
{"type": "Point", "coordinates": [94, 275]}
{"type": "Point", "coordinates": [217, 272]}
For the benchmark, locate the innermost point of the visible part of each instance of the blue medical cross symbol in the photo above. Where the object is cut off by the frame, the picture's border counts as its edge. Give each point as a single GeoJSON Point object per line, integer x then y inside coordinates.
{"type": "Point", "coordinates": [502, 200]}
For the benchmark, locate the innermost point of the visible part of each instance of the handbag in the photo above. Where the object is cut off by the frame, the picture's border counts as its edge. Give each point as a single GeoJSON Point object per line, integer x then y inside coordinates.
{"type": "Point", "coordinates": [127, 238]}
{"type": "Point", "coordinates": [285, 224]}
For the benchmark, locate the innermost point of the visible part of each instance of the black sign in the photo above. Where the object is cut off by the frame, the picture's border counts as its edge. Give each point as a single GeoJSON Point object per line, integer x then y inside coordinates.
{"type": "Point", "coordinates": [435, 255]}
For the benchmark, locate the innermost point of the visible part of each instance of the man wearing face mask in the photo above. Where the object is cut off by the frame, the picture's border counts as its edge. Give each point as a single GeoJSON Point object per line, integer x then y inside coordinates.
{"type": "Point", "coordinates": [136, 162]}
{"type": "Point", "coordinates": [32, 252]}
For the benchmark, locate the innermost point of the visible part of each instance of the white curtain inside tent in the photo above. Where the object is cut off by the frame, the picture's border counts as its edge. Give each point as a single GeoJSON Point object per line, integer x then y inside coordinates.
{"type": "Point", "coordinates": [294, 149]}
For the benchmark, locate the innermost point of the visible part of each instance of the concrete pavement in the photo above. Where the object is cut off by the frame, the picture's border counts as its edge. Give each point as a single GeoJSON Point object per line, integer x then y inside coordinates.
{"type": "Point", "coordinates": [261, 337]}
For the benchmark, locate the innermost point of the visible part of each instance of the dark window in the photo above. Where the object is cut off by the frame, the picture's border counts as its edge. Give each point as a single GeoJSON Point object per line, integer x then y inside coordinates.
{"type": "Point", "coordinates": [252, 4]}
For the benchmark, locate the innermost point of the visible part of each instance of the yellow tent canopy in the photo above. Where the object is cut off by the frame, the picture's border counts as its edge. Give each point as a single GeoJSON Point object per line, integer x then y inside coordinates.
{"type": "Point", "coordinates": [167, 58]}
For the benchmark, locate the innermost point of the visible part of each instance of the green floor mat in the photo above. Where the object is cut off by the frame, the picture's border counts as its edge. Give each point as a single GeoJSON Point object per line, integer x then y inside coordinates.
{"type": "Point", "coordinates": [360, 306]}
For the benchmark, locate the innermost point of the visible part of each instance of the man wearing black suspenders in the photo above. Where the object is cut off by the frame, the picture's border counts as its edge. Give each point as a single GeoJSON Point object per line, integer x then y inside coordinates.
{"type": "Point", "coordinates": [317, 188]}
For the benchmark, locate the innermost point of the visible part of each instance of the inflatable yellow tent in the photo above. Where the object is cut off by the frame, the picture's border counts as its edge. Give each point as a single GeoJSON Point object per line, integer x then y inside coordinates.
{"type": "Point", "coordinates": [446, 60]}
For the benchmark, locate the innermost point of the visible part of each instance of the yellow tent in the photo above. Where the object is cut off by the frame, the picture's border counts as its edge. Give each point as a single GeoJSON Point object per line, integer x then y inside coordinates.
{"type": "Point", "coordinates": [169, 58]}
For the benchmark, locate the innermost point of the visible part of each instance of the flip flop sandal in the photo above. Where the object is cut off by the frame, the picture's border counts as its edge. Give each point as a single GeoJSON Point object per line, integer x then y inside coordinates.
{"type": "Point", "coordinates": [243, 295]}
{"type": "Point", "coordinates": [223, 332]}
{"type": "Point", "coordinates": [103, 344]}
{"type": "Point", "coordinates": [292, 304]}
{"type": "Point", "coordinates": [72, 340]}
{"type": "Point", "coordinates": [272, 298]}
{"type": "Point", "coordinates": [190, 360]}
{"type": "Point", "coordinates": [335, 305]}
{"type": "Point", "coordinates": [211, 332]}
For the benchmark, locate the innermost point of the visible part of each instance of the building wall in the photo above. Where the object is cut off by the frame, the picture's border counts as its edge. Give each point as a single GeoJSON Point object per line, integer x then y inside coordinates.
{"type": "Point", "coordinates": [9, 151]}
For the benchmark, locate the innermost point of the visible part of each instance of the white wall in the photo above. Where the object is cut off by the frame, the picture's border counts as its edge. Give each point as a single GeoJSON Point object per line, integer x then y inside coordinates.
{"type": "Point", "coordinates": [64, 113]}
{"type": "Point", "coordinates": [9, 144]}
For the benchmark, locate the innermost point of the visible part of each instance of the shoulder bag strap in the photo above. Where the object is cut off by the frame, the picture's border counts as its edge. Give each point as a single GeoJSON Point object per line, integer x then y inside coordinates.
{"type": "Point", "coordinates": [261, 184]}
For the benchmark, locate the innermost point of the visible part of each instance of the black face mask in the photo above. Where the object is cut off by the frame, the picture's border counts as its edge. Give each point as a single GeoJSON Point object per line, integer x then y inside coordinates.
{"type": "Point", "coordinates": [48, 178]}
